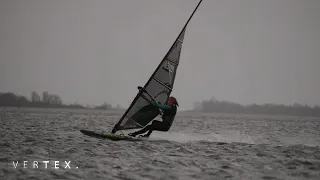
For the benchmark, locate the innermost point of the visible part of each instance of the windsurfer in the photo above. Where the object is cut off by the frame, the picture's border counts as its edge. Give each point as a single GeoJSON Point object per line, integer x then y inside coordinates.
{"type": "Point", "coordinates": [169, 112]}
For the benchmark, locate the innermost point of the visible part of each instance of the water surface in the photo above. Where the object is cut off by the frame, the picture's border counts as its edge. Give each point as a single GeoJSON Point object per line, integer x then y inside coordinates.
{"type": "Point", "coordinates": [198, 146]}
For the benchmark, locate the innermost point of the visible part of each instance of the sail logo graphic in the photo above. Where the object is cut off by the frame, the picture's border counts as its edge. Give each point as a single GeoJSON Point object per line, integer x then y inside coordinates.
{"type": "Point", "coordinates": [168, 67]}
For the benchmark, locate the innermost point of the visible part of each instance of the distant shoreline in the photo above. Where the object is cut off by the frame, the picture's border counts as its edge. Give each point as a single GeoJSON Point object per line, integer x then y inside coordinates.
{"type": "Point", "coordinates": [60, 107]}
{"type": "Point", "coordinates": [10, 99]}
{"type": "Point", "coordinates": [246, 114]}
{"type": "Point", "coordinates": [53, 101]}
{"type": "Point", "coordinates": [215, 106]}
{"type": "Point", "coordinates": [56, 108]}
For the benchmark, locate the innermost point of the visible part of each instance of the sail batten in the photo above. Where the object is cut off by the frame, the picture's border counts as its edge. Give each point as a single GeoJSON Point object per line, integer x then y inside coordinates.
{"type": "Point", "coordinates": [163, 84]}
{"type": "Point", "coordinates": [134, 121]}
{"type": "Point", "coordinates": [172, 61]}
{"type": "Point", "coordinates": [141, 111]}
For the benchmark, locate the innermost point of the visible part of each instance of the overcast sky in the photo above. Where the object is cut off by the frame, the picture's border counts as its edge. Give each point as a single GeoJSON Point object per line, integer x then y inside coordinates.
{"type": "Point", "coordinates": [246, 51]}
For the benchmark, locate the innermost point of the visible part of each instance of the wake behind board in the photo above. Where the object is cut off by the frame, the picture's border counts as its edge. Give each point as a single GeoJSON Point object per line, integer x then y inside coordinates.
{"type": "Point", "coordinates": [113, 137]}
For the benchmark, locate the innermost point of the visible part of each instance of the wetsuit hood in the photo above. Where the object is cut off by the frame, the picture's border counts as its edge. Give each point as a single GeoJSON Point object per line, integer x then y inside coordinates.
{"type": "Point", "coordinates": [173, 100]}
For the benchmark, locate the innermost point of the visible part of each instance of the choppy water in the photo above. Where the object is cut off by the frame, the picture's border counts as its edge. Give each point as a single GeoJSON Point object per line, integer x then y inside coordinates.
{"type": "Point", "coordinates": [198, 146]}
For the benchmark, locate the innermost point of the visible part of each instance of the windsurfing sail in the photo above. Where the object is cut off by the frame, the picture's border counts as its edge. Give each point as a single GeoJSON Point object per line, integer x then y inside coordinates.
{"type": "Point", "coordinates": [141, 111]}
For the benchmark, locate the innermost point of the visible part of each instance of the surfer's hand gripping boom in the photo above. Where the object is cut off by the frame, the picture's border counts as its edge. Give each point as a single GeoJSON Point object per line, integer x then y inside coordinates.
{"type": "Point", "coordinates": [141, 89]}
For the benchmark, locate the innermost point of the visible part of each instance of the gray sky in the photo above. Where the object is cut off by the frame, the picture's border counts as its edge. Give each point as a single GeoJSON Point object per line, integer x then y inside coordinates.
{"type": "Point", "coordinates": [246, 51]}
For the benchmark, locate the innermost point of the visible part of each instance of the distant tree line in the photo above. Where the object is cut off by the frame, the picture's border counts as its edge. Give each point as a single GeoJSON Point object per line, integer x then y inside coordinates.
{"type": "Point", "coordinates": [47, 101]}
{"type": "Point", "coordinates": [296, 109]}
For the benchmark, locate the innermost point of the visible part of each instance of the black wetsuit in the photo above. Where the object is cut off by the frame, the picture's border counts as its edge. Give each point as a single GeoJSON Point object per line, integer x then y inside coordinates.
{"type": "Point", "coordinates": [169, 112]}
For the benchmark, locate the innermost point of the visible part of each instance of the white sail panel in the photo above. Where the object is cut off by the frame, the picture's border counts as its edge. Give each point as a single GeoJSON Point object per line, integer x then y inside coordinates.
{"type": "Point", "coordinates": [174, 56]}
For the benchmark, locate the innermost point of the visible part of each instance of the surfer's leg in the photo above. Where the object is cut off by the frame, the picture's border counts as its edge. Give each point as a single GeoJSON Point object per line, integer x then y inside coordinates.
{"type": "Point", "coordinates": [158, 126]}
{"type": "Point", "coordinates": [145, 129]}
{"type": "Point", "coordinates": [155, 125]}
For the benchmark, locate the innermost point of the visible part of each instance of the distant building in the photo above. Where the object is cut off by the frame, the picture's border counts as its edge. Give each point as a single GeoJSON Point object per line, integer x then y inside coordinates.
{"type": "Point", "coordinates": [45, 97]}
{"type": "Point", "coordinates": [35, 97]}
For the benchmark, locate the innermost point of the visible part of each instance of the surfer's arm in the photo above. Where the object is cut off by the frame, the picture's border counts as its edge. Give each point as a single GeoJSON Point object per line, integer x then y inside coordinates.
{"type": "Point", "coordinates": [162, 107]}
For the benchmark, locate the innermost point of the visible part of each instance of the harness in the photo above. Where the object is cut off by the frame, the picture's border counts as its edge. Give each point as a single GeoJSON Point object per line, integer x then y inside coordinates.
{"type": "Point", "coordinates": [168, 115]}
